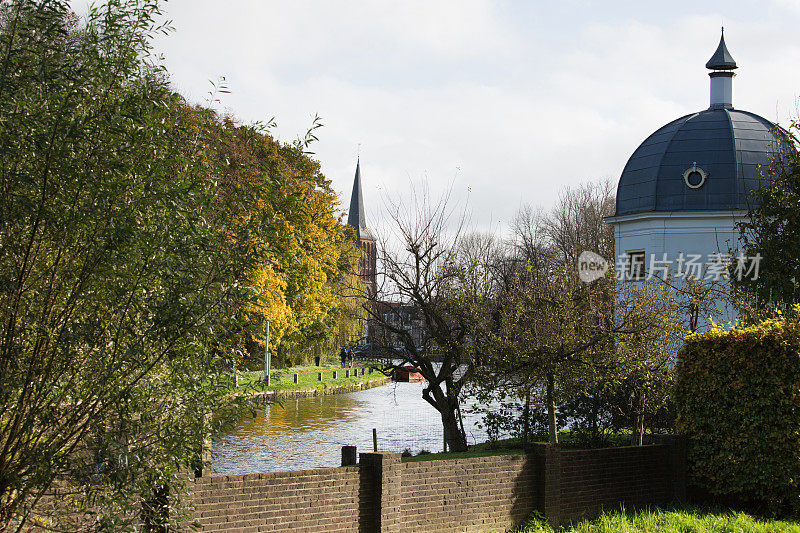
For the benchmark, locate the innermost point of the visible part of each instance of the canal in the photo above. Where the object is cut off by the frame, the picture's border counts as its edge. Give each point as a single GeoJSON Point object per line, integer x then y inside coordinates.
{"type": "Point", "coordinates": [307, 433]}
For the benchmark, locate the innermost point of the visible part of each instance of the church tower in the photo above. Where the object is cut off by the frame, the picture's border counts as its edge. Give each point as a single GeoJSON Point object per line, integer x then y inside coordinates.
{"type": "Point", "coordinates": [365, 240]}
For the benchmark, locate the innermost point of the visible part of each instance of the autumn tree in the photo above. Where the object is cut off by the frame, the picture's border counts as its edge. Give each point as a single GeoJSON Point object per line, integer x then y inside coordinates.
{"type": "Point", "coordinates": [139, 238]}
{"type": "Point", "coordinates": [283, 211]}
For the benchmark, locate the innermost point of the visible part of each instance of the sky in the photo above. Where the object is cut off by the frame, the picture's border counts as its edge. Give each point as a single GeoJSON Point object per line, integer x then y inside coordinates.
{"type": "Point", "coordinates": [504, 103]}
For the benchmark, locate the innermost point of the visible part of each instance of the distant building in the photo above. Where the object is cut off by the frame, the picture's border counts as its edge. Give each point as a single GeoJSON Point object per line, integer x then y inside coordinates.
{"type": "Point", "coordinates": [365, 240]}
{"type": "Point", "coordinates": [688, 184]}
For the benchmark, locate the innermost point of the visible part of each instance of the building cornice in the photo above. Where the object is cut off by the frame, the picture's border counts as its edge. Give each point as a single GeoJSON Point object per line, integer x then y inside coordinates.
{"type": "Point", "coordinates": [661, 215]}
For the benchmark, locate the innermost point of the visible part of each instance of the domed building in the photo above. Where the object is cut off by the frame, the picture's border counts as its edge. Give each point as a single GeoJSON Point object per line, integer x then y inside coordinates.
{"type": "Point", "coordinates": [687, 185]}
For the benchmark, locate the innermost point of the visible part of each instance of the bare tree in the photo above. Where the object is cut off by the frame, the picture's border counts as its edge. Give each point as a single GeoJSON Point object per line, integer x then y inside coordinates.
{"type": "Point", "coordinates": [421, 272]}
{"type": "Point", "coordinates": [576, 223]}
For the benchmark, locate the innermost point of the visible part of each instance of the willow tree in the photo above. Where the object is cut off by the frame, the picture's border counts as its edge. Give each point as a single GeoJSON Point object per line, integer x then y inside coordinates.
{"type": "Point", "coordinates": [116, 271]}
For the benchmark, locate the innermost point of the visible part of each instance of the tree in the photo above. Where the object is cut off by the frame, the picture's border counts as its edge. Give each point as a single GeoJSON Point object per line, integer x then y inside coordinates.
{"type": "Point", "coordinates": [772, 229]}
{"type": "Point", "coordinates": [284, 211]}
{"type": "Point", "coordinates": [118, 274]}
{"type": "Point", "coordinates": [421, 273]}
{"type": "Point", "coordinates": [554, 338]}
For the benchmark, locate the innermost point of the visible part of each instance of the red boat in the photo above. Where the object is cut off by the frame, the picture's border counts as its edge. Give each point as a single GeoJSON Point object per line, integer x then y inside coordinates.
{"type": "Point", "coordinates": [407, 374]}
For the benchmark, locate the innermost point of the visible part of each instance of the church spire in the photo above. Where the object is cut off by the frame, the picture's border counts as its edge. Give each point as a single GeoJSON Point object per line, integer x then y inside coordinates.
{"type": "Point", "coordinates": [356, 217]}
{"type": "Point", "coordinates": [722, 66]}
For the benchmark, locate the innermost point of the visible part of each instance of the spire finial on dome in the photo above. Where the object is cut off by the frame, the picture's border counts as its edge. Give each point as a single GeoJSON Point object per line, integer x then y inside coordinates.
{"type": "Point", "coordinates": [722, 59]}
{"type": "Point", "coordinates": [722, 66]}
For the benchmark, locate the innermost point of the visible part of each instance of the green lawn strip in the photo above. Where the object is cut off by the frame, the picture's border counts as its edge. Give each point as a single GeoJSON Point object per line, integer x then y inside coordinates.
{"type": "Point", "coordinates": [669, 520]}
{"type": "Point", "coordinates": [567, 440]}
{"type": "Point", "coordinates": [460, 455]}
{"type": "Point", "coordinates": [282, 379]}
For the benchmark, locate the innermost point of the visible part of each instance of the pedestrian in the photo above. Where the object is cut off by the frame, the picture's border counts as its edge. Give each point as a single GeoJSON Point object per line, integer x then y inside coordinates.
{"type": "Point", "coordinates": [350, 358]}
{"type": "Point", "coordinates": [343, 356]}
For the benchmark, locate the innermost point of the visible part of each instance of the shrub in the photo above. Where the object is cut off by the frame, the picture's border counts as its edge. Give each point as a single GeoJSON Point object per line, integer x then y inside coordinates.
{"type": "Point", "coordinates": [737, 396]}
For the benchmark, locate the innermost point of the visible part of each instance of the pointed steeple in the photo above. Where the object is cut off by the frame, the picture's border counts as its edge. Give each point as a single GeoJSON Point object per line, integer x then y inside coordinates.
{"type": "Point", "coordinates": [356, 217]}
{"type": "Point", "coordinates": [722, 59]}
{"type": "Point", "coordinates": [722, 66]}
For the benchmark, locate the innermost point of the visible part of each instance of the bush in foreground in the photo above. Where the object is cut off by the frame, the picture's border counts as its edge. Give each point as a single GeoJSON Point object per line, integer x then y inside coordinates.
{"type": "Point", "coordinates": [737, 399]}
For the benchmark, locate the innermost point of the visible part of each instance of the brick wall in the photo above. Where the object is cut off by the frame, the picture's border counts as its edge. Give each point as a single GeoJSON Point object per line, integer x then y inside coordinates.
{"type": "Point", "coordinates": [474, 494]}
{"type": "Point", "coordinates": [324, 500]}
{"type": "Point", "coordinates": [467, 494]}
{"type": "Point", "coordinates": [595, 479]}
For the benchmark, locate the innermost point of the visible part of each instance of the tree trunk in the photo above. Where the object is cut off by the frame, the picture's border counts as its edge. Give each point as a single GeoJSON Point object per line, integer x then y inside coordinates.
{"type": "Point", "coordinates": [452, 432]}
{"type": "Point", "coordinates": [637, 435]}
{"type": "Point", "coordinates": [526, 418]}
{"type": "Point", "coordinates": [551, 408]}
{"type": "Point", "coordinates": [447, 406]}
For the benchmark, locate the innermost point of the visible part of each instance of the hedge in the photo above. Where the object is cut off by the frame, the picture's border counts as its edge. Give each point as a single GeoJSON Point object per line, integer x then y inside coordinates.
{"type": "Point", "coordinates": [737, 396]}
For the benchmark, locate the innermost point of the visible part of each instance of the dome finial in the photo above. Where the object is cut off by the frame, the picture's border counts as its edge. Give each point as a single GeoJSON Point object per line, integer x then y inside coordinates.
{"type": "Point", "coordinates": [722, 59]}
{"type": "Point", "coordinates": [722, 66]}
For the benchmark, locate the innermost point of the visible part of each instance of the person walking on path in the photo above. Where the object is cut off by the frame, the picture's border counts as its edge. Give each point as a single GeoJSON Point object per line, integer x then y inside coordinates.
{"type": "Point", "coordinates": [343, 356]}
{"type": "Point", "coordinates": [350, 357]}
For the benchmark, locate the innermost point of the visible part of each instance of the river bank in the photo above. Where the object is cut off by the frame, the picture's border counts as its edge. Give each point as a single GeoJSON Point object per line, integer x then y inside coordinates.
{"type": "Point", "coordinates": [309, 381]}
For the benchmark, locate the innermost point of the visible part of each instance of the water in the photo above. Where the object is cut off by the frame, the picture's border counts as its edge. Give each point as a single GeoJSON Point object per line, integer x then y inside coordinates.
{"type": "Point", "coordinates": [307, 433]}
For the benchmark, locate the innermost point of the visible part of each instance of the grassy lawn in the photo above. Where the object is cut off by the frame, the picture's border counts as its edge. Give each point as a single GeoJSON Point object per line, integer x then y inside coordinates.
{"type": "Point", "coordinates": [283, 379]}
{"type": "Point", "coordinates": [677, 520]}
{"type": "Point", "coordinates": [566, 438]}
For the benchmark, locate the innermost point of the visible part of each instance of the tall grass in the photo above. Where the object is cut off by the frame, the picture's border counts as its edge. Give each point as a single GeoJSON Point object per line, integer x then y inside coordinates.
{"type": "Point", "coordinates": [677, 520]}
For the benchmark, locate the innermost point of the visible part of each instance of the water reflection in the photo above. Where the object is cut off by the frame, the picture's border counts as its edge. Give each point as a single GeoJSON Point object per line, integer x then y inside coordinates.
{"type": "Point", "coordinates": [309, 432]}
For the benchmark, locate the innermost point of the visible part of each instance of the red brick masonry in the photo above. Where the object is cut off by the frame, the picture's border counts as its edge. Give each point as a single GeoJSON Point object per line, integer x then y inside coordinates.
{"type": "Point", "coordinates": [474, 494]}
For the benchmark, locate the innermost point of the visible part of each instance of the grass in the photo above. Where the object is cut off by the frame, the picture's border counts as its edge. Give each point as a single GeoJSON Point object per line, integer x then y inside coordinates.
{"type": "Point", "coordinates": [566, 438]}
{"type": "Point", "coordinates": [282, 378]}
{"type": "Point", "coordinates": [671, 520]}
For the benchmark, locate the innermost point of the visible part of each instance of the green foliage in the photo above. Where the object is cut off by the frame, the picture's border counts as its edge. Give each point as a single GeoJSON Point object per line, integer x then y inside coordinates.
{"type": "Point", "coordinates": [139, 239]}
{"type": "Point", "coordinates": [737, 398]}
{"type": "Point", "coordinates": [772, 228]}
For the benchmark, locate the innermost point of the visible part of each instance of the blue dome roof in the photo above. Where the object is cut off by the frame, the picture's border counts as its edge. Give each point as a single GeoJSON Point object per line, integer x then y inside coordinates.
{"type": "Point", "coordinates": [730, 147]}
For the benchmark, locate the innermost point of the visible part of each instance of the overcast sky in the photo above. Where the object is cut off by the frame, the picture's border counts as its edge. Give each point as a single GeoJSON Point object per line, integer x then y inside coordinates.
{"type": "Point", "coordinates": [507, 101]}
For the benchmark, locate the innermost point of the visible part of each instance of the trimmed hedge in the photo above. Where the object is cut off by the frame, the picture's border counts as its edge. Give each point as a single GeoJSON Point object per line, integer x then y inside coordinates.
{"type": "Point", "coordinates": [737, 396]}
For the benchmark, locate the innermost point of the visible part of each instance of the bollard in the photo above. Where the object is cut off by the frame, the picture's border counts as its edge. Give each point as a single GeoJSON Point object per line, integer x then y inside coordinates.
{"type": "Point", "coordinates": [319, 376]}
{"type": "Point", "coordinates": [348, 455]}
{"type": "Point", "coordinates": [347, 373]}
{"type": "Point", "coordinates": [374, 440]}
{"type": "Point", "coordinates": [295, 377]}
{"type": "Point", "coordinates": [334, 374]}
{"type": "Point", "coordinates": [355, 372]}
{"type": "Point", "coordinates": [371, 369]}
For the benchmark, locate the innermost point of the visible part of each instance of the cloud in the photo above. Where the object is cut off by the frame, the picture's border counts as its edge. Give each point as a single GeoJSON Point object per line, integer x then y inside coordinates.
{"type": "Point", "coordinates": [523, 98]}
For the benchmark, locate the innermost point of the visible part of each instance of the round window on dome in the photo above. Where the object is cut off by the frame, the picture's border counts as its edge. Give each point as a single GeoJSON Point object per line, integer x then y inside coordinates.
{"type": "Point", "coordinates": [694, 177]}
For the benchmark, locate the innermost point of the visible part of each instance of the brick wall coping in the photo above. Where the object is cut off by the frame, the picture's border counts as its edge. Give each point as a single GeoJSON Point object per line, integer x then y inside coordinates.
{"type": "Point", "coordinates": [299, 474]}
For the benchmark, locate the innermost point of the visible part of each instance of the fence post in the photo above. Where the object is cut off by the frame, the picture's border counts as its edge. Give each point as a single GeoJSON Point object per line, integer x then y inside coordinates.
{"type": "Point", "coordinates": [319, 376]}
{"type": "Point", "coordinates": [295, 378]}
{"type": "Point", "coordinates": [334, 374]}
{"type": "Point", "coordinates": [385, 470]}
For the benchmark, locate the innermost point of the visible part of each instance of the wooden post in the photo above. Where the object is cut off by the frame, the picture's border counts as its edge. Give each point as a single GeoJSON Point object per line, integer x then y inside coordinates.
{"type": "Point", "coordinates": [319, 376]}
{"type": "Point", "coordinates": [374, 440]}
{"type": "Point", "coordinates": [295, 377]}
{"type": "Point", "coordinates": [267, 357]}
{"type": "Point", "coordinates": [334, 374]}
